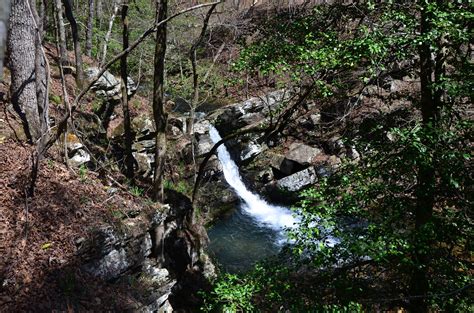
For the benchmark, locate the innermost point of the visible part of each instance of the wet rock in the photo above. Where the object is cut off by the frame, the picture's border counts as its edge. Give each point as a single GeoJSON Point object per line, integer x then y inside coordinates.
{"type": "Point", "coordinates": [250, 151]}
{"type": "Point", "coordinates": [299, 180]}
{"type": "Point", "coordinates": [265, 176]}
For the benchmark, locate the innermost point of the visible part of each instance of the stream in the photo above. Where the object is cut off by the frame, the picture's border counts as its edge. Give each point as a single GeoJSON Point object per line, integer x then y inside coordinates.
{"type": "Point", "coordinates": [254, 230]}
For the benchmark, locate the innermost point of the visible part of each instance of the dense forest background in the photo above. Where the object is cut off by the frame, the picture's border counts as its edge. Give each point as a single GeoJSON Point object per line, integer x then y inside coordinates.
{"type": "Point", "coordinates": [110, 182]}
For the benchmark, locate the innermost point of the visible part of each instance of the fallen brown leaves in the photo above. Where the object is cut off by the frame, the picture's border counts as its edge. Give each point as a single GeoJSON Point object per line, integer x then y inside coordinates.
{"type": "Point", "coordinates": [39, 266]}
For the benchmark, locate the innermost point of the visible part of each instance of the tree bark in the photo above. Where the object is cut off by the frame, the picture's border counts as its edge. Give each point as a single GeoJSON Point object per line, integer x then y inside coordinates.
{"type": "Point", "coordinates": [62, 33]}
{"type": "Point", "coordinates": [192, 57]}
{"type": "Point", "coordinates": [42, 17]}
{"type": "Point", "coordinates": [99, 13]}
{"type": "Point", "coordinates": [90, 26]}
{"type": "Point", "coordinates": [109, 32]}
{"type": "Point", "coordinates": [22, 56]}
{"type": "Point", "coordinates": [425, 190]}
{"type": "Point", "coordinates": [4, 15]}
{"type": "Point", "coordinates": [126, 112]}
{"type": "Point", "coordinates": [159, 113]}
{"type": "Point", "coordinates": [40, 72]}
{"type": "Point", "coordinates": [75, 38]}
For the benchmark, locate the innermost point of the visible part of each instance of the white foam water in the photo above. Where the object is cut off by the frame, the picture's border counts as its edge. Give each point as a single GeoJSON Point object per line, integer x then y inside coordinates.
{"type": "Point", "coordinates": [276, 217]}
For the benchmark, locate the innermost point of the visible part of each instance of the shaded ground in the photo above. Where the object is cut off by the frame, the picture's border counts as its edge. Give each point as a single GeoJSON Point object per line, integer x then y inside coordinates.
{"type": "Point", "coordinates": [39, 236]}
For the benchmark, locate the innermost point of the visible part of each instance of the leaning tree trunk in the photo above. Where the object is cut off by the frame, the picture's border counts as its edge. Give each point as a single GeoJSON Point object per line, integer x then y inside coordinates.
{"type": "Point", "coordinates": [159, 113]}
{"type": "Point", "coordinates": [89, 30]}
{"type": "Point", "coordinates": [22, 56]}
{"type": "Point", "coordinates": [4, 14]}
{"type": "Point", "coordinates": [75, 38]}
{"type": "Point", "coordinates": [126, 112]}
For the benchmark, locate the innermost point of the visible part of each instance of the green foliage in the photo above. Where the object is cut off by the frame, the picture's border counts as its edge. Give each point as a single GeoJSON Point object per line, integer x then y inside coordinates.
{"type": "Point", "coordinates": [117, 214]}
{"type": "Point", "coordinates": [83, 170]}
{"type": "Point", "coordinates": [55, 99]}
{"type": "Point", "coordinates": [231, 294]}
{"type": "Point", "coordinates": [269, 288]}
{"type": "Point", "coordinates": [182, 186]}
{"type": "Point", "coordinates": [136, 191]}
{"type": "Point", "coordinates": [96, 105]}
{"type": "Point", "coordinates": [358, 232]}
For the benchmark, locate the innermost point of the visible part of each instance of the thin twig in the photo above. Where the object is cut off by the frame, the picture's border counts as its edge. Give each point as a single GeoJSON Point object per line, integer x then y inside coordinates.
{"type": "Point", "coordinates": [26, 213]}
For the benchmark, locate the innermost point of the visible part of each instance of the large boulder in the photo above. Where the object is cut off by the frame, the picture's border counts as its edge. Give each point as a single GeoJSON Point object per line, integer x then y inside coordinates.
{"type": "Point", "coordinates": [108, 86]}
{"type": "Point", "coordinates": [281, 166]}
{"type": "Point", "coordinates": [298, 157]}
{"type": "Point", "coordinates": [249, 112]}
{"type": "Point", "coordinates": [298, 180]}
{"type": "Point", "coordinates": [105, 82]}
{"type": "Point", "coordinates": [204, 145]}
{"type": "Point", "coordinates": [302, 153]}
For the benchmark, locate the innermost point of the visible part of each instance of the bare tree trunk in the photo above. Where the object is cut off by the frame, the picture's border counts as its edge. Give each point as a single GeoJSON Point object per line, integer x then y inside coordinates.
{"type": "Point", "coordinates": [159, 113]}
{"type": "Point", "coordinates": [216, 57]}
{"type": "Point", "coordinates": [99, 14]}
{"type": "Point", "coordinates": [42, 17]}
{"type": "Point", "coordinates": [61, 32]}
{"type": "Point", "coordinates": [192, 57]}
{"type": "Point", "coordinates": [89, 30]}
{"type": "Point", "coordinates": [425, 190]}
{"type": "Point", "coordinates": [126, 112]}
{"type": "Point", "coordinates": [195, 99]}
{"type": "Point", "coordinates": [22, 56]}
{"type": "Point", "coordinates": [40, 73]}
{"type": "Point", "coordinates": [109, 32]}
{"type": "Point", "coordinates": [4, 15]}
{"type": "Point", "coordinates": [76, 42]}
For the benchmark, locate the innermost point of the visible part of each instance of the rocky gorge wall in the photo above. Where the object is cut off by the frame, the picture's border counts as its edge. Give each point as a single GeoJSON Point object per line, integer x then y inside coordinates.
{"type": "Point", "coordinates": [159, 247]}
{"type": "Point", "coordinates": [167, 247]}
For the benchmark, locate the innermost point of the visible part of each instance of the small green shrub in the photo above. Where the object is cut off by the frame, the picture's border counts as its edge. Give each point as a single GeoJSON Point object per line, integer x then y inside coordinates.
{"type": "Point", "coordinates": [231, 294]}
{"type": "Point", "coordinates": [55, 99]}
{"type": "Point", "coordinates": [82, 172]}
{"type": "Point", "coordinates": [136, 191]}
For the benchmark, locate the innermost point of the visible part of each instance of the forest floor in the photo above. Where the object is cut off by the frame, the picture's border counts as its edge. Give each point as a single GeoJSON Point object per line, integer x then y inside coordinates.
{"type": "Point", "coordinates": [39, 236]}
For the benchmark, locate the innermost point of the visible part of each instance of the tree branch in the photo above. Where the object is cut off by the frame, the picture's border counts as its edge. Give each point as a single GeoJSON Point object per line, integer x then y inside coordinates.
{"type": "Point", "coordinates": [63, 122]}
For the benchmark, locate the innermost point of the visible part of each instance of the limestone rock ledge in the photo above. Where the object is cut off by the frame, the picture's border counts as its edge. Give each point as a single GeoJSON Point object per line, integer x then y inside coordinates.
{"type": "Point", "coordinates": [158, 248]}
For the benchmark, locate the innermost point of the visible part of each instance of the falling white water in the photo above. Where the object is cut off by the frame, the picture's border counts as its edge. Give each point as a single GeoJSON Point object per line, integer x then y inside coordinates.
{"type": "Point", "coordinates": [276, 217]}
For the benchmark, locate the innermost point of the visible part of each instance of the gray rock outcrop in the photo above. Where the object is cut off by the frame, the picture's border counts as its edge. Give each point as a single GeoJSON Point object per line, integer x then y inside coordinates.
{"type": "Point", "coordinates": [298, 180]}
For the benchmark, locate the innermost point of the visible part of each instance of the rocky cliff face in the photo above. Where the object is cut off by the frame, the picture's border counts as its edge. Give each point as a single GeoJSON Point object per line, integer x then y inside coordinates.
{"type": "Point", "coordinates": [162, 248]}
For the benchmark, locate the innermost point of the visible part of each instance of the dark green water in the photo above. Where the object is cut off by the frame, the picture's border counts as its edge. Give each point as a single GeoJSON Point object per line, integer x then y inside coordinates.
{"type": "Point", "coordinates": [237, 242]}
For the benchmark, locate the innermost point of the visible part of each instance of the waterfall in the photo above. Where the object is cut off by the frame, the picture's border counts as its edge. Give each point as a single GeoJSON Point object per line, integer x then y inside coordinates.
{"type": "Point", "coordinates": [272, 216]}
